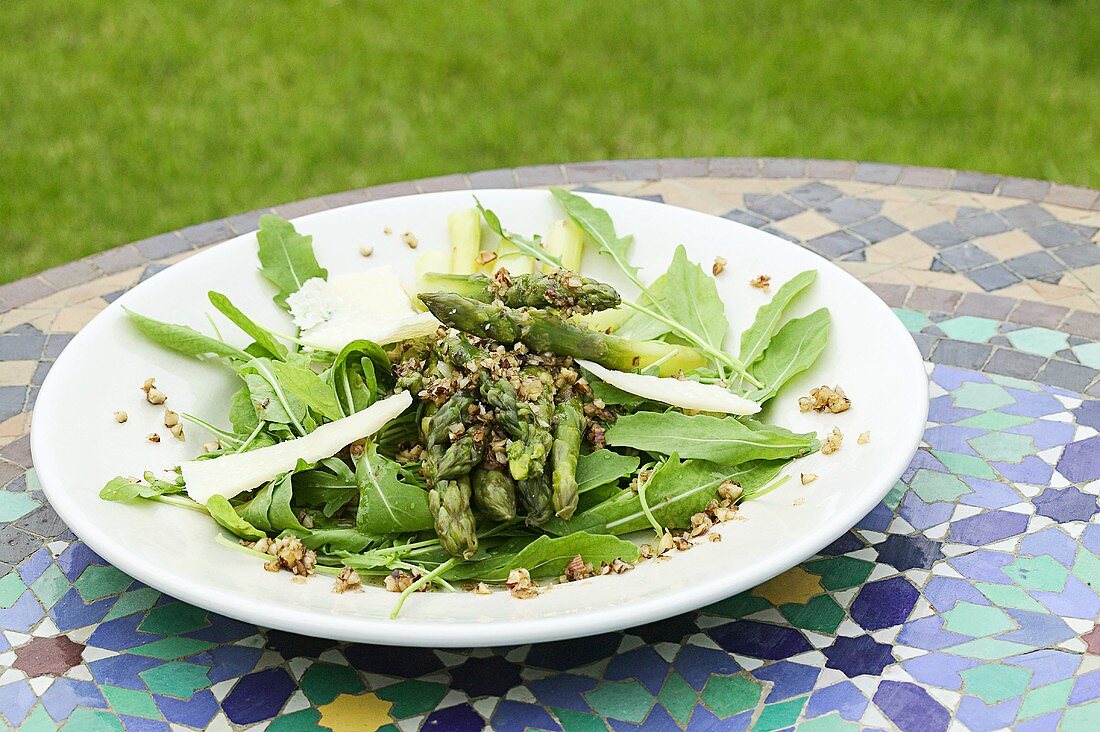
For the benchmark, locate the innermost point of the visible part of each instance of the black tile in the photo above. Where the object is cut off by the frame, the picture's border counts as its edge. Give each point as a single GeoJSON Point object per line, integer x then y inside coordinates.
{"type": "Point", "coordinates": [960, 353]}
{"type": "Point", "coordinates": [993, 277]}
{"type": "Point", "coordinates": [1034, 265]}
{"type": "Point", "coordinates": [847, 211]}
{"type": "Point", "coordinates": [835, 245]}
{"type": "Point", "coordinates": [1007, 362]}
{"type": "Point", "coordinates": [774, 206]}
{"type": "Point", "coordinates": [877, 229]}
{"type": "Point", "coordinates": [942, 235]}
{"type": "Point", "coordinates": [986, 223]}
{"type": "Point", "coordinates": [966, 257]}
{"type": "Point", "coordinates": [1067, 375]}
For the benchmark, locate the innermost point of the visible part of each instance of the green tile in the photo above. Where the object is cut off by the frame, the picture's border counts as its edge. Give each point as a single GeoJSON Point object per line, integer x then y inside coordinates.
{"type": "Point", "coordinates": [15, 506]}
{"type": "Point", "coordinates": [893, 498]}
{"type": "Point", "coordinates": [574, 721]}
{"type": "Point", "coordinates": [305, 720]}
{"type": "Point", "coordinates": [915, 321]}
{"type": "Point", "coordinates": [624, 700]}
{"type": "Point", "coordinates": [1004, 447]}
{"type": "Point", "coordinates": [38, 721]}
{"type": "Point", "coordinates": [134, 601]}
{"type": "Point", "coordinates": [1013, 383]}
{"type": "Point", "coordinates": [982, 396]}
{"type": "Point", "coordinates": [172, 648]}
{"type": "Point", "coordinates": [132, 702]}
{"type": "Point", "coordinates": [92, 720]}
{"type": "Point", "coordinates": [412, 697]}
{"type": "Point", "coordinates": [841, 573]}
{"type": "Point", "coordinates": [1038, 573]}
{"type": "Point", "coordinates": [1040, 341]}
{"type": "Point", "coordinates": [33, 483]}
{"type": "Point", "coordinates": [994, 421]}
{"type": "Point", "coordinates": [178, 678]}
{"type": "Point", "coordinates": [969, 328]}
{"type": "Point", "coordinates": [50, 586]}
{"type": "Point", "coordinates": [994, 683]}
{"type": "Point", "coordinates": [1009, 596]}
{"type": "Point", "coordinates": [829, 723]}
{"type": "Point", "coordinates": [99, 581]}
{"type": "Point", "coordinates": [678, 698]}
{"type": "Point", "coordinates": [1045, 699]}
{"type": "Point", "coordinates": [962, 464]}
{"type": "Point", "coordinates": [822, 614]}
{"type": "Point", "coordinates": [1082, 719]}
{"type": "Point", "coordinates": [730, 695]}
{"type": "Point", "coordinates": [323, 682]}
{"type": "Point", "coordinates": [11, 589]}
{"type": "Point", "coordinates": [173, 619]}
{"type": "Point", "coordinates": [1088, 354]}
{"type": "Point", "coordinates": [989, 649]}
{"type": "Point", "coordinates": [976, 620]}
{"type": "Point", "coordinates": [932, 486]}
{"type": "Point", "coordinates": [778, 716]}
{"type": "Point", "coordinates": [1087, 568]}
{"type": "Point", "coordinates": [737, 606]}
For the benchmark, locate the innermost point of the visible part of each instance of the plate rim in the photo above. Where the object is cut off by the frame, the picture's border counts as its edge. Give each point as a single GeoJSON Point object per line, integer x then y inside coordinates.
{"type": "Point", "coordinates": [701, 592]}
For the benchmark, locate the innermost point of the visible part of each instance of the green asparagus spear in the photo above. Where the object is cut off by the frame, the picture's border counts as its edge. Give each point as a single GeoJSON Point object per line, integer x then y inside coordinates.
{"type": "Point", "coordinates": [459, 352]}
{"type": "Point", "coordinates": [569, 420]}
{"type": "Point", "coordinates": [449, 502]}
{"type": "Point", "coordinates": [465, 230]}
{"type": "Point", "coordinates": [527, 423]}
{"type": "Point", "coordinates": [535, 492]}
{"type": "Point", "coordinates": [494, 494]}
{"type": "Point", "coordinates": [460, 458]}
{"type": "Point", "coordinates": [544, 331]}
{"type": "Point", "coordinates": [561, 289]}
{"type": "Point", "coordinates": [452, 459]}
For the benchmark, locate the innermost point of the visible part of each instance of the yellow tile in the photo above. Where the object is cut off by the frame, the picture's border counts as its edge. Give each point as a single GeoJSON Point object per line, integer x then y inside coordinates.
{"type": "Point", "coordinates": [727, 186]}
{"type": "Point", "coordinates": [1065, 213]}
{"type": "Point", "coordinates": [944, 280]}
{"type": "Point", "coordinates": [70, 320]}
{"type": "Point", "coordinates": [793, 586]}
{"type": "Point", "coordinates": [807, 225]}
{"type": "Point", "coordinates": [1020, 291]}
{"type": "Point", "coordinates": [893, 276]}
{"type": "Point", "coordinates": [1082, 302]}
{"type": "Point", "coordinates": [1010, 244]}
{"type": "Point", "coordinates": [355, 713]}
{"type": "Point", "coordinates": [858, 188]}
{"type": "Point", "coordinates": [957, 198]}
{"type": "Point", "coordinates": [1054, 293]}
{"type": "Point", "coordinates": [1089, 276]}
{"type": "Point", "coordinates": [16, 373]}
{"type": "Point", "coordinates": [917, 215]}
{"type": "Point", "coordinates": [864, 270]}
{"type": "Point", "coordinates": [622, 187]}
{"type": "Point", "coordinates": [904, 248]}
{"type": "Point", "coordinates": [893, 194]}
{"type": "Point", "coordinates": [15, 427]}
{"type": "Point", "coordinates": [697, 198]}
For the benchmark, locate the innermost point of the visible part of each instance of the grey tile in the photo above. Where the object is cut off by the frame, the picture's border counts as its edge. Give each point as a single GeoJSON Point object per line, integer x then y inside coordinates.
{"type": "Point", "coordinates": [18, 451]}
{"type": "Point", "coordinates": [153, 269]}
{"type": "Point", "coordinates": [211, 232]}
{"type": "Point", "coordinates": [986, 223]}
{"type": "Point", "coordinates": [1078, 255]}
{"type": "Point", "coordinates": [926, 177]}
{"type": "Point", "coordinates": [782, 167]}
{"type": "Point", "coordinates": [1026, 215]}
{"type": "Point", "coordinates": [878, 173]}
{"type": "Point", "coordinates": [12, 399]}
{"type": "Point", "coordinates": [11, 476]}
{"type": "Point", "coordinates": [933, 299]}
{"type": "Point", "coordinates": [67, 275]}
{"type": "Point", "coordinates": [942, 235]}
{"type": "Point", "coordinates": [294, 209]}
{"type": "Point", "coordinates": [1040, 314]}
{"type": "Point", "coordinates": [846, 211]}
{"type": "Point", "coordinates": [1083, 323]}
{"type": "Point", "coordinates": [112, 296]}
{"type": "Point", "coordinates": [392, 190]}
{"type": "Point", "coordinates": [506, 177]}
{"type": "Point", "coordinates": [925, 344]}
{"type": "Point", "coordinates": [1092, 391]}
{"type": "Point", "coordinates": [248, 221]}
{"type": "Point", "coordinates": [32, 397]}
{"type": "Point", "coordinates": [976, 182]}
{"type": "Point", "coordinates": [744, 217]}
{"type": "Point", "coordinates": [118, 259]}
{"type": "Point", "coordinates": [55, 343]}
{"type": "Point", "coordinates": [16, 545]}
{"type": "Point", "coordinates": [40, 372]}
{"type": "Point", "coordinates": [1067, 375]}
{"type": "Point", "coordinates": [877, 229]}
{"type": "Point", "coordinates": [1035, 265]}
{"type": "Point", "coordinates": [781, 234]}
{"type": "Point", "coordinates": [965, 257]}
{"type": "Point", "coordinates": [773, 206]}
{"type": "Point", "coordinates": [684, 167]}
{"type": "Point", "coordinates": [734, 167]}
{"type": "Point", "coordinates": [1075, 196]}
{"type": "Point", "coordinates": [25, 291]}
{"type": "Point", "coordinates": [162, 245]}
{"type": "Point", "coordinates": [985, 306]}
{"type": "Point", "coordinates": [939, 266]}
{"type": "Point", "coordinates": [993, 277]}
{"type": "Point", "coordinates": [831, 169]}
{"type": "Point", "coordinates": [891, 294]}
{"type": "Point", "coordinates": [540, 175]}
{"type": "Point", "coordinates": [1052, 278]}
{"type": "Point", "coordinates": [1057, 234]}
{"type": "Point", "coordinates": [960, 353]}
{"type": "Point", "coordinates": [21, 347]}
{"type": "Point", "coordinates": [44, 522]}
{"type": "Point", "coordinates": [1034, 190]}
{"type": "Point", "coordinates": [453, 182]}
{"type": "Point", "coordinates": [1007, 362]}
{"type": "Point", "coordinates": [835, 244]}
{"type": "Point", "coordinates": [860, 256]}
{"type": "Point", "coordinates": [641, 169]}
{"type": "Point", "coordinates": [814, 194]}
{"type": "Point", "coordinates": [655, 197]}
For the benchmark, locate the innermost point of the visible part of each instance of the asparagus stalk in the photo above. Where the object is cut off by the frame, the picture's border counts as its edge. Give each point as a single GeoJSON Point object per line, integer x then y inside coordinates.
{"type": "Point", "coordinates": [513, 259]}
{"type": "Point", "coordinates": [535, 492]}
{"type": "Point", "coordinates": [569, 420]}
{"type": "Point", "coordinates": [561, 289]}
{"type": "Point", "coordinates": [494, 494]}
{"type": "Point", "coordinates": [543, 331]}
{"type": "Point", "coordinates": [465, 230]}
{"type": "Point", "coordinates": [452, 460]}
{"type": "Point", "coordinates": [449, 503]}
{"type": "Point", "coordinates": [524, 423]}
{"type": "Point", "coordinates": [565, 240]}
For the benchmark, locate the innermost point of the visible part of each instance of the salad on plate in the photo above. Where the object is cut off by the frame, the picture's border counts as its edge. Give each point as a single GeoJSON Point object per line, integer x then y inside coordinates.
{"type": "Point", "coordinates": [509, 422]}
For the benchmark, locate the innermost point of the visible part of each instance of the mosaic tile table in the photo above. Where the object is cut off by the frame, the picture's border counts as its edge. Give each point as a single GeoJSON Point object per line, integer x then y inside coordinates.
{"type": "Point", "coordinates": [968, 599]}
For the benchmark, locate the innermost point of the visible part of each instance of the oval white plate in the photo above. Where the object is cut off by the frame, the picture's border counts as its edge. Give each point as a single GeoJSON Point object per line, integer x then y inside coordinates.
{"type": "Point", "coordinates": [78, 446]}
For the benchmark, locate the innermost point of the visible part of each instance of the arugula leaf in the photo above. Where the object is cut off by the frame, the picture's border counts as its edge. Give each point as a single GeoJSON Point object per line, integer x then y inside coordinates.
{"type": "Point", "coordinates": [272, 402]}
{"type": "Point", "coordinates": [725, 440]}
{"type": "Point", "coordinates": [261, 335]}
{"type": "Point", "coordinates": [792, 350]}
{"type": "Point", "coordinates": [548, 557]}
{"type": "Point", "coordinates": [530, 247]}
{"type": "Point", "coordinates": [613, 395]}
{"type": "Point", "coordinates": [597, 224]}
{"type": "Point", "coordinates": [768, 318]}
{"type": "Point", "coordinates": [269, 510]}
{"type": "Point", "coordinates": [317, 394]}
{"type": "Point", "coordinates": [286, 257]}
{"type": "Point", "coordinates": [603, 466]}
{"type": "Point", "coordinates": [356, 373]}
{"type": "Point", "coordinates": [223, 512]}
{"type": "Point", "coordinates": [691, 299]}
{"type": "Point", "coordinates": [125, 491]}
{"type": "Point", "coordinates": [340, 540]}
{"type": "Point", "coordinates": [242, 412]}
{"type": "Point", "coordinates": [328, 490]}
{"type": "Point", "coordinates": [387, 505]}
{"type": "Point", "coordinates": [640, 326]}
{"type": "Point", "coordinates": [184, 339]}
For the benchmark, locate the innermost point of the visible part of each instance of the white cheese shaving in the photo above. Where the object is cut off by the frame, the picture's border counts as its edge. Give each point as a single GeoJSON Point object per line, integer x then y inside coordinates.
{"type": "Point", "coordinates": [679, 393]}
{"type": "Point", "coordinates": [369, 305]}
{"type": "Point", "coordinates": [230, 475]}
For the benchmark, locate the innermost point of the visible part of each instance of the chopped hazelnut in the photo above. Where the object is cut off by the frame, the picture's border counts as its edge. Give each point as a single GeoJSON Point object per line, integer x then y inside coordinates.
{"type": "Point", "coordinates": [832, 442]}
{"type": "Point", "coordinates": [171, 419]}
{"type": "Point", "coordinates": [410, 240]}
{"type": "Point", "coordinates": [521, 585]}
{"type": "Point", "coordinates": [482, 589]}
{"type": "Point", "coordinates": [348, 579]}
{"type": "Point", "coordinates": [864, 437]}
{"type": "Point", "coordinates": [825, 399]}
{"type": "Point", "coordinates": [366, 250]}
{"type": "Point", "coordinates": [121, 417]}
{"type": "Point", "coordinates": [761, 282]}
{"type": "Point", "coordinates": [719, 266]}
{"type": "Point", "coordinates": [153, 437]}
{"type": "Point", "coordinates": [485, 257]}
{"type": "Point", "coordinates": [808, 478]}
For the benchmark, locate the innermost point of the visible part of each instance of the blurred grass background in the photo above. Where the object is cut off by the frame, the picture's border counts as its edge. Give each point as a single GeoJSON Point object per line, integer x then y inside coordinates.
{"type": "Point", "coordinates": [120, 119]}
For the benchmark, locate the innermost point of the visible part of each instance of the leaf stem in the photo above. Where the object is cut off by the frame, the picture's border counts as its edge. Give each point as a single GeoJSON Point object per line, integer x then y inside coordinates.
{"type": "Point", "coordinates": [420, 582]}
{"type": "Point", "coordinates": [221, 434]}
{"type": "Point", "coordinates": [645, 505]}
{"type": "Point", "coordinates": [181, 501]}
{"type": "Point", "coordinates": [251, 437]}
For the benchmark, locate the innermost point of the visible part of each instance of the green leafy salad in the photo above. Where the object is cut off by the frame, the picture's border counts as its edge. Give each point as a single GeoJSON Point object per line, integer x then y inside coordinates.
{"type": "Point", "coordinates": [511, 422]}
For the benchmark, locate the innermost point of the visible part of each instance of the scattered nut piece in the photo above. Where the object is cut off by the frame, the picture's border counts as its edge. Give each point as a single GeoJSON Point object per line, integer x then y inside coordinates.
{"type": "Point", "coordinates": [832, 442]}
{"type": "Point", "coordinates": [825, 399]}
{"type": "Point", "coordinates": [211, 446]}
{"type": "Point", "coordinates": [387, 230]}
{"type": "Point", "coordinates": [399, 581]}
{"type": "Point", "coordinates": [521, 585]}
{"type": "Point", "coordinates": [121, 416]}
{"type": "Point", "coordinates": [681, 543]}
{"type": "Point", "coordinates": [864, 437]}
{"type": "Point", "coordinates": [177, 431]}
{"type": "Point", "coordinates": [730, 491]}
{"type": "Point", "coordinates": [666, 543]}
{"type": "Point", "coordinates": [171, 419]}
{"type": "Point", "coordinates": [719, 266]}
{"type": "Point", "coordinates": [485, 257]}
{"type": "Point", "coordinates": [289, 554]}
{"type": "Point", "coordinates": [366, 250]}
{"type": "Point", "coordinates": [808, 478]}
{"type": "Point", "coordinates": [577, 569]}
{"type": "Point", "coordinates": [714, 536]}
{"type": "Point", "coordinates": [410, 240]}
{"type": "Point", "coordinates": [761, 282]}
{"type": "Point", "coordinates": [799, 501]}
{"type": "Point", "coordinates": [348, 579]}
{"type": "Point", "coordinates": [482, 589]}
{"type": "Point", "coordinates": [153, 437]}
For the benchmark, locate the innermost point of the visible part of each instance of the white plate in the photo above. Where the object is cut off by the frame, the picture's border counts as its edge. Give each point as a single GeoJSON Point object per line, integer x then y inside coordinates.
{"type": "Point", "coordinates": [78, 446]}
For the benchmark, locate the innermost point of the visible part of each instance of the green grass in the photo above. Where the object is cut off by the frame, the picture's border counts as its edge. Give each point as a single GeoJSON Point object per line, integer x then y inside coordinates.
{"type": "Point", "coordinates": [120, 119]}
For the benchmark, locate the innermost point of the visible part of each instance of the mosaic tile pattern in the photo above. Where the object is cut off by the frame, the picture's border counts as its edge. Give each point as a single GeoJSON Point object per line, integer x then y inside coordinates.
{"type": "Point", "coordinates": [969, 599]}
